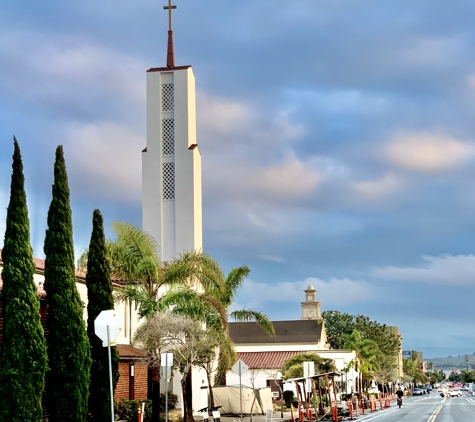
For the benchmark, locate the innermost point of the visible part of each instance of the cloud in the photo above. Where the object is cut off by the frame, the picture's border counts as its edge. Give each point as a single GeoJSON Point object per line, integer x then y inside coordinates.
{"type": "Point", "coordinates": [287, 180]}
{"type": "Point", "coordinates": [427, 152]}
{"type": "Point", "coordinates": [242, 127]}
{"type": "Point", "coordinates": [378, 188]}
{"type": "Point", "coordinates": [70, 74]}
{"type": "Point", "coordinates": [335, 291]}
{"type": "Point", "coordinates": [290, 179]}
{"type": "Point", "coordinates": [458, 270]}
{"type": "Point", "coordinates": [218, 116]}
{"type": "Point", "coordinates": [271, 258]}
{"type": "Point", "coordinates": [440, 52]}
{"type": "Point", "coordinates": [107, 161]}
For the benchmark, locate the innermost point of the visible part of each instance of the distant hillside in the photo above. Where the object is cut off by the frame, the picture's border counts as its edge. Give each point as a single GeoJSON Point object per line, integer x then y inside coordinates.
{"type": "Point", "coordinates": [453, 362]}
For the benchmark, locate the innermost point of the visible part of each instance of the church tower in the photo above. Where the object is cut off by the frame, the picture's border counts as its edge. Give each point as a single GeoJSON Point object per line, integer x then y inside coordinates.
{"type": "Point", "coordinates": [311, 308]}
{"type": "Point", "coordinates": [171, 162]}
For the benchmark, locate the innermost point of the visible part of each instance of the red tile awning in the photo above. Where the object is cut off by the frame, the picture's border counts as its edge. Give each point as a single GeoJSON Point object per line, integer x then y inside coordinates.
{"type": "Point", "coordinates": [267, 360]}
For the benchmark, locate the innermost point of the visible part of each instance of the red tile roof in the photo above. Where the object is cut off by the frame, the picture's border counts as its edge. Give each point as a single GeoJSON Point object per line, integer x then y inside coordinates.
{"type": "Point", "coordinates": [40, 267]}
{"type": "Point", "coordinates": [267, 360]}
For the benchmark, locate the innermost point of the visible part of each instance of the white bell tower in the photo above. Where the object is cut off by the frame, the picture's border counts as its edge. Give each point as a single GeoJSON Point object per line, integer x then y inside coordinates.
{"type": "Point", "coordinates": [171, 162]}
{"type": "Point", "coordinates": [311, 308]}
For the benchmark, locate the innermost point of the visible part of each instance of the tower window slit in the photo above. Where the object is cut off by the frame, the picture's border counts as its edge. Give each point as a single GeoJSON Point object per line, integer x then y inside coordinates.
{"type": "Point", "coordinates": [169, 180]}
{"type": "Point", "coordinates": [168, 97]}
{"type": "Point", "coordinates": [168, 136]}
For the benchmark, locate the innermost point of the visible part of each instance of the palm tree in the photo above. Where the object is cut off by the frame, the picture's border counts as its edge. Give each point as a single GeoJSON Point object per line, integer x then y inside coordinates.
{"type": "Point", "coordinates": [367, 353]}
{"type": "Point", "coordinates": [135, 263]}
{"type": "Point", "coordinates": [215, 302]}
{"type": "Point", "coordinates": [411, 368]}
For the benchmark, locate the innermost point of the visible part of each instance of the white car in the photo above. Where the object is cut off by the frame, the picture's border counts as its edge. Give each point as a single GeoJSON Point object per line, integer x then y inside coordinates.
{"type": "Point", "coordinates": [455, 392]}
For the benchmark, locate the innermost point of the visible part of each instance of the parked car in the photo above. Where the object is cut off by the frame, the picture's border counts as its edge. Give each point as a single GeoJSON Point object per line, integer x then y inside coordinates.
{"type": "Point", "coordinates": [455, 392]}
{"type": "Point", "coordinates": [418, 392]}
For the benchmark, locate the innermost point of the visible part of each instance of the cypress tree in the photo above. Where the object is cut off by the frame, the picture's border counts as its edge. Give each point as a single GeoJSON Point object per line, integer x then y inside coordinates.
{"type": "Point", "coordinates": [68, 346]}
{"type": "Point", "coordinates": [99, 294]}
{"type": "Point", "coordinates": [23, 357]}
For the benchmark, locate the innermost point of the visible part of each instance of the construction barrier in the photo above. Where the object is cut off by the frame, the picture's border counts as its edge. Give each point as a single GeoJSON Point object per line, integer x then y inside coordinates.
{"type": "Point", "coordinates": [334, 411]}
{"type": "Point", "coordinates": [350, 409]}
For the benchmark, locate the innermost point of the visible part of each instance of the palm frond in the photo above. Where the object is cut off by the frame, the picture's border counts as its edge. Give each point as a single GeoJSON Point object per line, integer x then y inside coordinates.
{"type": "Point", "coordinates": [233, 282]}
{"type": "Point", "coordinates": [82, 260]}
{"type": "Point", "coordinates": [262, 320]}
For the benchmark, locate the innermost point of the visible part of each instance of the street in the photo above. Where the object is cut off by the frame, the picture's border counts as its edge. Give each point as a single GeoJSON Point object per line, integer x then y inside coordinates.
{"type": "Point", "coordinates": [428, 408]}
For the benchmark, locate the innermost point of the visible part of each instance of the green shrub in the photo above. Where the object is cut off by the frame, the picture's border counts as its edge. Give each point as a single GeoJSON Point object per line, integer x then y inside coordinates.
{"type": "Point", "coordinates": [288, 396]}
{"type": "Point", "coordinates": [172, 401]}
{"type": "Point", "coordinates": [127, 409]}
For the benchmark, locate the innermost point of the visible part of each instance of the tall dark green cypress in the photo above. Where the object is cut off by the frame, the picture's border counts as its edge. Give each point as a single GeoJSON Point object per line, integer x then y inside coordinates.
{"type": "Point", "coordinates": [23, 358]}
{"type": "Point", "coordinates": [68, 346]}
{"type": "Point", "coordinates": [99, 295]}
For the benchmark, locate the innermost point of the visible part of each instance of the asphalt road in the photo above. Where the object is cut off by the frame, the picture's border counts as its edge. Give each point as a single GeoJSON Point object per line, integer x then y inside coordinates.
{"type": "Point", "coordinates": [427, 408]}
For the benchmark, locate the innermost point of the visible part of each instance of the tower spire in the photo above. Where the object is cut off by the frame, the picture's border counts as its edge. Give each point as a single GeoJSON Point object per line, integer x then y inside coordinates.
{"type": "Point", "coordinates": [170, 49]}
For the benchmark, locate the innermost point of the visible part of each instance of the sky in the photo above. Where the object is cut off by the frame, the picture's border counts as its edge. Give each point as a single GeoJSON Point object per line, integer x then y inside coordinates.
{"type": "Point", "coordinates": [337, 141]}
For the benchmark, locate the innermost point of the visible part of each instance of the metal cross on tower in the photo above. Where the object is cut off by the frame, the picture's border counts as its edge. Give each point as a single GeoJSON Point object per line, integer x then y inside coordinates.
{"type": "Point", "coordinates": [169, 8]}
{"type": "Point", "coordinates": [170, 50]}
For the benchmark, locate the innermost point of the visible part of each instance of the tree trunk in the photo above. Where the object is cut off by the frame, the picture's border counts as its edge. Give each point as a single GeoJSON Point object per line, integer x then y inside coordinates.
{"type": "Point", "coordinates": [155, 394]}
{"type": "Point", "coordinates": [183, 395]}
{"type": "Point", "coordinates": [186, 395]}
{"type": "Point", "coordinates": [210, 387]}
{"type": "Point", "coordinates": [189, 395]}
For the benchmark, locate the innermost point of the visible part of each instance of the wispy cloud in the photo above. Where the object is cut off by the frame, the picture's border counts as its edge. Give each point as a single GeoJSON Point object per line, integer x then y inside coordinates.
{"type": "Point", "coordinates": [333, 292]}
{"type": "Point", "coordinates": [378, 188]}
{"type": "Point", "coordinates": [271, 258]}
{"type": "Point", "coordinates": [427, 152]}
{"type": "Point", "coordinates": [72, 75]}
{"type": "Point", "coordinates": [456, 270]}
{"type": "Point", "coordinates": [107, 161]}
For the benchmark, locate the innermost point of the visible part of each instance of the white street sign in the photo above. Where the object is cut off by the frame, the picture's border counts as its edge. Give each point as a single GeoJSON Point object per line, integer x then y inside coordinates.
{"type": "Point", "coordinates": [166, 359]}
{"type": "Point", "coordinates": [111, 319]}
{"type": "Point", "coordinates": [240, 367]}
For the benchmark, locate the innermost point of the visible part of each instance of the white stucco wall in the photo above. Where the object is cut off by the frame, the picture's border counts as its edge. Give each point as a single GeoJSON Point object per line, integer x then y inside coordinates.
{"type": "Point", "coordinates": [176, 224]}
{"type": "Point", "coordinates": [341, 358]}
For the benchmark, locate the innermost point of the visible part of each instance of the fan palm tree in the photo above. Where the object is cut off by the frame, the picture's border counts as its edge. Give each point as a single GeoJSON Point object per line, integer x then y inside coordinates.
{"type": "Point", "coordinates": [134, 262]}
{"type": "Point", "coordinates": [136, 265]}
{"type": "Point", "coordinates": [367, 353]}
{"type": "Point", "coordinates": [215, 302]}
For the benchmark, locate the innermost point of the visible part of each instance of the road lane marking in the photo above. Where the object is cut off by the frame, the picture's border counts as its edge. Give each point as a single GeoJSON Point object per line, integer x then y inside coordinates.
{"type": "Point", "coordinates": [380, 414]}
{"type": "Point", "coordinates": [434, 415]}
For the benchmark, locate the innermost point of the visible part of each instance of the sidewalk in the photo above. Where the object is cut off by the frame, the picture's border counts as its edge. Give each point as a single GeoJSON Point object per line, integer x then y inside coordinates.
{"type": "Point", "coordinates": [256, 418]}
